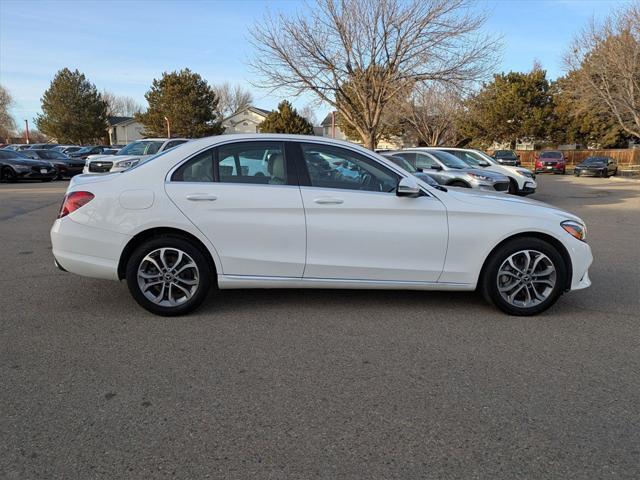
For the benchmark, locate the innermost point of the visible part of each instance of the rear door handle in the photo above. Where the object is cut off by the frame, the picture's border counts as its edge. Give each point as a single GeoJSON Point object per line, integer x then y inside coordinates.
{"type": "Point", "coordinates": [201, 197]}
{"type": "Point", "coordinates": [328, 200]}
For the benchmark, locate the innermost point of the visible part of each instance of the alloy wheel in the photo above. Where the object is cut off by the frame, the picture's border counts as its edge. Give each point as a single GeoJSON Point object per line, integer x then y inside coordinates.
{"type": "Point", "coordinates": [168, 277]}
{"type": "Point", "coordinates": [526, 278]}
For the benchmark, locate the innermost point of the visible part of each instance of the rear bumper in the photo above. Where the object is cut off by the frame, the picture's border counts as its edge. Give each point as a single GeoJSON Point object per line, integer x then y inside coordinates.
{"type": "Point", "coordinates": [87, 251]}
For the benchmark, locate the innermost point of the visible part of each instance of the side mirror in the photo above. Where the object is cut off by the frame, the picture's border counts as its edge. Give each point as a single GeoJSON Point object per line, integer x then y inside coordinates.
{"type": "Point", "coordinates": [408, 187]}
{"type": "Point", "coordinates": [436, 167]}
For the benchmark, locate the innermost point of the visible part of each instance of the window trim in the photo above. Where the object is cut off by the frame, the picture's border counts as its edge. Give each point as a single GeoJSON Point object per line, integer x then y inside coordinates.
{"type": "Point", "coordinates": [292, 177]}
{"type": "Point", "coordinates": [303, 171]}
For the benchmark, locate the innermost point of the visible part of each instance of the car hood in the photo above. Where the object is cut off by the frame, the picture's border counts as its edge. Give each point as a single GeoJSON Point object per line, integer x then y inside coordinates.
{"type": "Point", "coordinates": [500, 202]}
{"type": "Point", "coordinates": [495, 175]}
{"type": "Point", "coordinates": [27, 162]}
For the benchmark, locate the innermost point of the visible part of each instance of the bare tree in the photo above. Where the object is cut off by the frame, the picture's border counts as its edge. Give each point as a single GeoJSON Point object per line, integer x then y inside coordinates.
{"type": "Point", "coordinates": [7, 123]}
{"type": "Point", "coordinates": [430, 114]}
{"type": "Point", "coordinates": [309, 112]}
{"type": "Point", "coordinates": [604, 63]}
{"type": "Point", "coordinates": [120, 105]}
{"type": "Point", "coordinates": [377, 48]}
{"type": "Point", "coordinates": [232, 98]}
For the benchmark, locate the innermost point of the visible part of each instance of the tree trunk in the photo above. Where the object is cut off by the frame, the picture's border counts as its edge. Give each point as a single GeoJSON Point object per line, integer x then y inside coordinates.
{"type": "Point", "coordinates": [369, 140]}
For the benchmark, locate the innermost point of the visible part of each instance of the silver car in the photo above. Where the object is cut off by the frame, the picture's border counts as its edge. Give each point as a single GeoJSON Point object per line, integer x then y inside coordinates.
{"type": "Point", "coordinates": [446, 169]}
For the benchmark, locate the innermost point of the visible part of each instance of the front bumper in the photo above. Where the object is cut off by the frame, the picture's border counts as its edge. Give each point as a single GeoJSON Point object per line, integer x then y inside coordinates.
{"type": "Point", "coordinates": [581, 259]}
{"type": "Point", "coordinates": [36, 175]}
{"type": "Point", "coordinates": [550, 168]}
{"type": "Point", "coordinates": [596, 172]}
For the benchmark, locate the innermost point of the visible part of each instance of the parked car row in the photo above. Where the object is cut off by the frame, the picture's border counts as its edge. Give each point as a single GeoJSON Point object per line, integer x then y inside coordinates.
{"type": "Point", "coordinates": [468, 168]}
{"type": "Point", "coordinates": [70, 160]}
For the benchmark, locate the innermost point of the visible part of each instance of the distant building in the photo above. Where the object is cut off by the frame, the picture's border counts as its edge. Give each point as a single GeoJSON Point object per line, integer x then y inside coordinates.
{"type": "Point", "coordinates": [245, 120]}
{"type": "Point", "coordinates": [330, 127]}
{"type": "Point", "coordinates": [123, 130]}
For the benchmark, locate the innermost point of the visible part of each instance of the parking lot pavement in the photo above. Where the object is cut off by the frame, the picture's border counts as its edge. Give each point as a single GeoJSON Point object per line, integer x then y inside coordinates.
{"type": "Point", "coordinates": [320, 384]}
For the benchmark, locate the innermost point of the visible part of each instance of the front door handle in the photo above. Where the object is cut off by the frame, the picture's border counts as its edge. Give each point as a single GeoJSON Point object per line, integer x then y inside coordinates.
{"type": "Point", "coordinates": [201, 197]}
{"type": "Point", "coordinates": [328, 200]}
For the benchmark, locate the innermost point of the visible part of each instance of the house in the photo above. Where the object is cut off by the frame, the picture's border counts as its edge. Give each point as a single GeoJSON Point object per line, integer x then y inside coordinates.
{"type": "Point", "coordinates": [123, 130]}
{"type": "Point", "coordinates": [245, 120]}
{"type": "Point", "coordinates": [332, 130]}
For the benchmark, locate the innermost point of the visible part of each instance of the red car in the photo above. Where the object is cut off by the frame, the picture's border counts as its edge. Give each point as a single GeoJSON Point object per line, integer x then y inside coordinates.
{"type": "Point", "coordinates": [551, 161]}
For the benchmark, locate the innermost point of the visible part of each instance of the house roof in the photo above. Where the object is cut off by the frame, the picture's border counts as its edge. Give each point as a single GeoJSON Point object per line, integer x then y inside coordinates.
{"type": "Point", "coordinates": [327, 120]}
{"type": "Point", "coordinates": [260, 111]}
{"type": "Point", "coordinates": [112, 121]}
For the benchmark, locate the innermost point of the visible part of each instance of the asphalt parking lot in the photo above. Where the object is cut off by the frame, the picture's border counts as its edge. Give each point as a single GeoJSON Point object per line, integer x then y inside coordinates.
{"type": "Point", "coordinates": [320, 384]}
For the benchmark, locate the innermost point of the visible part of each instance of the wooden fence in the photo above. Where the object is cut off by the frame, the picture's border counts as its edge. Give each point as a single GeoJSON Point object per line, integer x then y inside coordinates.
{"type": "Point", "coordinates": [625, 157]}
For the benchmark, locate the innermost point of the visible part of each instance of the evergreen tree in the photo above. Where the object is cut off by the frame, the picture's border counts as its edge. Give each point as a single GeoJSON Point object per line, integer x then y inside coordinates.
{"type": "Point", "coordinates": [73, 110]}
{"type": "Point", "coordinates": [187, 101]}
{"type": "Point", "coordinates": [514, 106]}
{"type": "Point", "coordinates": [286, 120]}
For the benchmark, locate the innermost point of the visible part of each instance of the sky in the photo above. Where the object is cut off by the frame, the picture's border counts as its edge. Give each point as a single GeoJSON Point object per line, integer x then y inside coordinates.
{"type": "Point", "coordinates": [122, 45]}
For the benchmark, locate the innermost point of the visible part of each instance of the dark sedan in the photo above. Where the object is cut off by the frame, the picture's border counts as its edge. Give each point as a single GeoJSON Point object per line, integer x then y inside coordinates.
{"type": "Point", "coordinates": [66, 167]}
{"type": "Point", "coordinates": [14, 166]}
{"type": "Point", "coordinates": [598, 166]}
{"type": "Point", "coordinates": [84, 152]}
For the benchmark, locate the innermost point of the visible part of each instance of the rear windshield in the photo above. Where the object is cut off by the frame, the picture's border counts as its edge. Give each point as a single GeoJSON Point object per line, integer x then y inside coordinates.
{"type": "Point", "coordinates": [551, 155]}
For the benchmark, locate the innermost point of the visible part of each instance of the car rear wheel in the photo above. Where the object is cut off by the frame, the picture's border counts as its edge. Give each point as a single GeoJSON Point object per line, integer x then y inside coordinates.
{"type": "Point", "coordinates": [169, 276]}
{"type": "Point", "coordinates": [526, 276]}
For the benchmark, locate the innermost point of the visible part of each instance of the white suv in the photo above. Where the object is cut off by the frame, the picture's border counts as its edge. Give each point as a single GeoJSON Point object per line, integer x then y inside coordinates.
{"type": "Point", "coordinates": [130, 155]}
{"type": "Point", "coordinates": [522, 181]}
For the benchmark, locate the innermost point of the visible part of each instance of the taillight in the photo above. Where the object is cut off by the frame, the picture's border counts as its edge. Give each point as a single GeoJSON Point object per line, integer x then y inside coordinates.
{"type": "Point", "coordinates": [73, 201]}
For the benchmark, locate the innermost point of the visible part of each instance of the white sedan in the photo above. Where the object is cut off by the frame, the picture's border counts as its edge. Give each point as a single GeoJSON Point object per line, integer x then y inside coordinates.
{"type": "Point", "coordinates": [290, 211]}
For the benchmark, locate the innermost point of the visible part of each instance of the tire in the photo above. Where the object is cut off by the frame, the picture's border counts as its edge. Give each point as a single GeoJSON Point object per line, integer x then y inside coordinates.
{"type": "Point", "coordinates": [8, 175]}
{"type": "Point", "coordinates": [577, 174]}
{"type": "Point", "coordinates": [513, 187]}
{"type": "Point", "coordinates": [458, 183]}
{"type": "Point", "coordinates": [547, 287]}
{"type": "Point", "coordinates": [187, 289]}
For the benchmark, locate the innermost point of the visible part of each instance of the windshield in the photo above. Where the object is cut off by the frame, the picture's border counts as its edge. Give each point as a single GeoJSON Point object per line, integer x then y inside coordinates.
{"type": "Point", "coordinates": [551, 155]}
{"type": "Point", "coordinates": [401, 162]}
{"type": "Point", "coordinates": [141, 148]}
{"type": "Point", "coordinates": [85, 150]}
{"type": "Point", "coordinates": [471, 158]}
{"type": "Point", "coordinates": [595, 160]}
{"type": "Point", "coordinates": [506, 154]}
{"type": "Point", "coordinates": [52, 155]}
{"type": "Point", "coordinates": [448, 160]}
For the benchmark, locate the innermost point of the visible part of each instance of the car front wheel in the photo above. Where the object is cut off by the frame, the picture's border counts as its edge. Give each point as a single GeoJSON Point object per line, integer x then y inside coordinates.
{"type": "Point", "coordinates": [169, 275]}
{"type": "Point", "coordinates": [524, 277]}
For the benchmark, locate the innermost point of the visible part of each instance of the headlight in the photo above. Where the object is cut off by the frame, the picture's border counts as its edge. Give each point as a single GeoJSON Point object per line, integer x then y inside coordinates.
{"type": "Point", "coordinates": [127, 163]}
{"type": "Point", "coordinates": [477, 176]}
{"type": "Point", "coordinates": [575, 229]}
{"type": "Point", "coordinates": [526, 173]}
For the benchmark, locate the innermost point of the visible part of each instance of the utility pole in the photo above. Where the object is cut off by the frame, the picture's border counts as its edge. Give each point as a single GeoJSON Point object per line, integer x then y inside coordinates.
{"type": "Point", "coordinates": [168, 127]}
{"type": "Point", "coordinates": [26, 129]}
{"type": "Point", "coordinates": [333, 124]}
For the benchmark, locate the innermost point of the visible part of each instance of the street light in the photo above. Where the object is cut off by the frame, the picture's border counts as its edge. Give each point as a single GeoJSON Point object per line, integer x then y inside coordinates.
{"type": "Point", "coordinates": [26, 130]}
{"type": "Point", "coordinates": [168, 127]}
